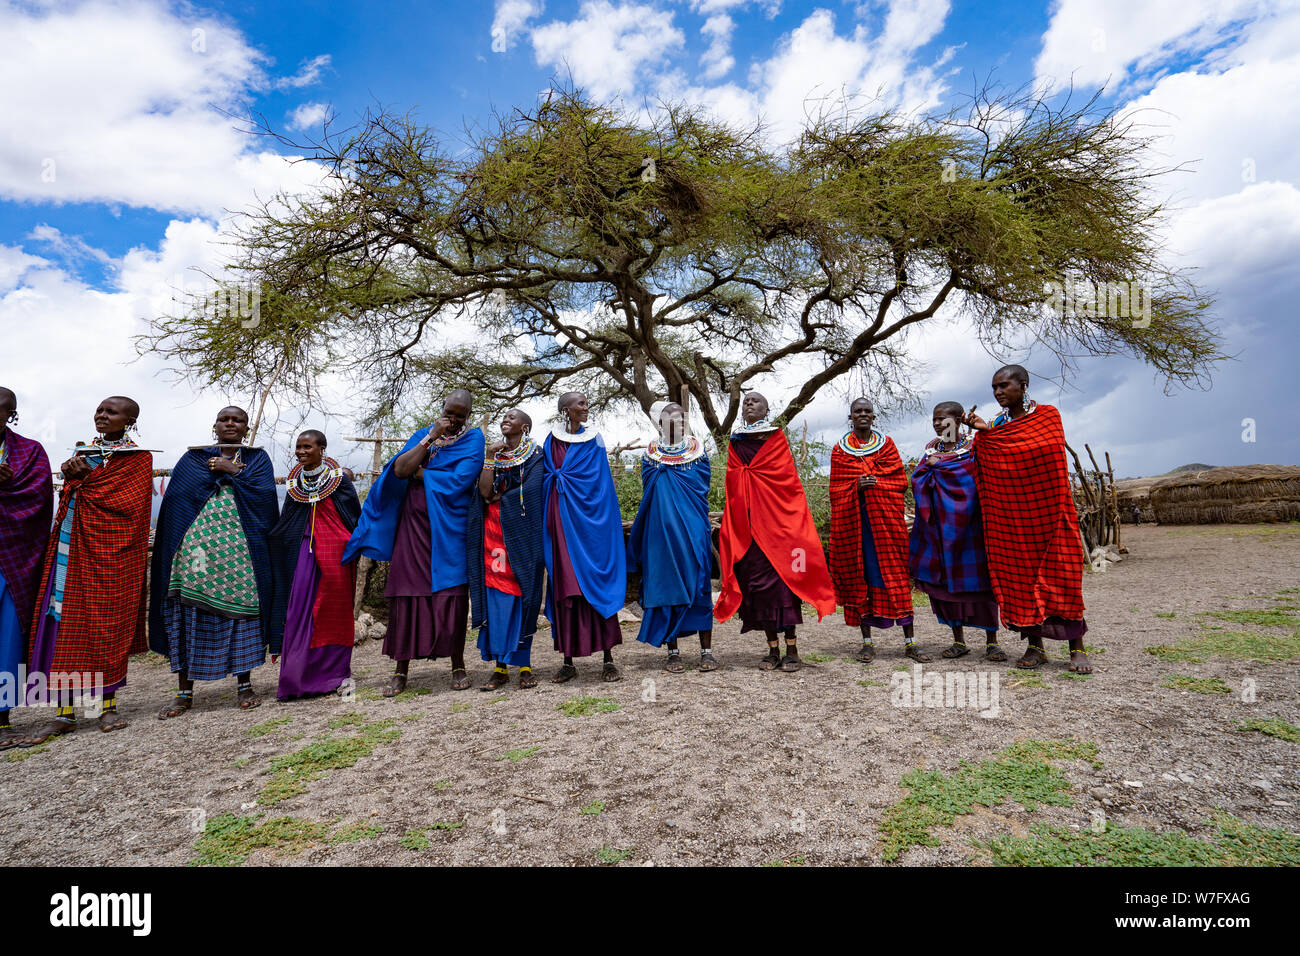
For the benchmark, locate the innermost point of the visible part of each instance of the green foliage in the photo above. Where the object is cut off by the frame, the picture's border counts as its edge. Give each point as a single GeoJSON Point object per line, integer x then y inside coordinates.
{"type": "Point", "coordinates": [739, 259]}
{"type": "Point", "coordinates": [291, 773]}
{"type": "Point", "coordinates": [788, 861]}
{"type": "Point", "coordinates": [586, 706]}
{"type": "Point", "coordinates": [355, 833]}
{"type": "Point", "coordinates": [612, 856]}
{"type": "Point", "coordinates": [1025, 680]}
{"type": "Point", "coordinates": [415, 839]}
{"type": "Point", "coordinates": [815, 658]}
{"type": "Point", "coordinates": [1197, 685]}
{"type": "Point", "coordinates": [1272, 617]}
{"type": "Point", "coordinates": [1233, 842]}
{"type": "Point", "coordinates": [1021, 772]}
{"type": "Point", "coordinates": [1233, 645]}
{"type": "Point", "coordinates": [227, 839]}
{"type": "Point", "coordinates": [518, 754]}
{"type": "Point", "coordinates": [1166, 614]}
{"type": "Point", "coordinates": [1274, 728]}
{"type": "Point", "coordinates": [267, 726]}
{"type": "Point", "coordinates": [354, 718]}
{"type": "Point", "coordinates": [595, 808]}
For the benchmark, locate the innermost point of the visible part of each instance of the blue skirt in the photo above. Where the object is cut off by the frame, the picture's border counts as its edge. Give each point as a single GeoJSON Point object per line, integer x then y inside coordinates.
{"type": "Point", "coordinates": [13, 648]}
{"type": "Point", "coordinates": [208, 646]}
{"type": "Point", "coordinates": [662, 624]}
{"type": "Point", "coordinates": [501, 636]}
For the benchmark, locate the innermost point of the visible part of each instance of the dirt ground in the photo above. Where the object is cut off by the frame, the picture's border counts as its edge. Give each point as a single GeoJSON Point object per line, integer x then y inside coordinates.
{"type": "Point", "coordinates": [737, 766]}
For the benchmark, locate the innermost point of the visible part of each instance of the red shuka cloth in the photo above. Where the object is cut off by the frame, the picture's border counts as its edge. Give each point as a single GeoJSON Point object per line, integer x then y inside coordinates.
{"type": "Point", "coordinates": [766, 504]}
{"type": "Point", "coordinates": [102, 623]}
{"type": "Point", "coordinates": [1031, 531]}
{"type": "Point", "coordinates": [331, 612]}
{"type": "Point", "coordinates": [496, 565]}
{"type": "Point", "coordinates": [888, 533]}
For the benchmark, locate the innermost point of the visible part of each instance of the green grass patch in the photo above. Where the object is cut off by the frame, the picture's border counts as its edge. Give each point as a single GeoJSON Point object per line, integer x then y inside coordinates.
{"type": "Point", "coordinates": [1269, 617]}
{"type": "Point", "coordinates": [458, 707]}
{"type": "Point", "coordinates": [901, 667]}
{"type": "Point", "coordinates": [1234, 645]}
{"type": "Point", "coordinates": [1274, 728]}
{"type": "Point", "coordinates": [242, 761]}
{"type": "Point", "coordinates": [1025, 680]}
{"type": "Point", "coordinates": [514, 756]}
{"type": "Point", "coordinates": [815, 658]}
{"type": "Point", "coordinates": [227, 840]}
{"type": "Point", "coordinates": [612, 855]}
{"type": "Point", "coordinates": [351, 719]}
{"type": "Point", "coordinates": [451, 825]}
{"type": "Point", "coordinates": [871, 683]}
{"type": "Point", "coordinates": [409, 718]}
{"type": "Point", "coordinates": [415, 839]}
{"type": "Point", "coordinates": [19, 754]}
{"type": "Point", "coordinates": [585, 706]}
{"type": "Point", "coordinates": [1071, 675]}
{"type": "Point", "coordinates": [920, 599]}
{"type": "Point", "coordinates": [1166, 614]}
{"type": "Point", "coordinates": [291, 773]}
{"type": "Point", "coordinates": [373, 693]}
{"type": "Point", "coordinates": [267, 726]}
{"type": "Point", "coordinates": [595, 808]}
{"type": "Point", "coordinates": [151, 658]}
{"type": "Point", "coordinates": [497, 700]}
{"type": "Point", "coordinates": [788, 861]}
{"type": "Point", "coordinates": [1232, 842]}
{"type": "Point", "coordinates": [442, 784]}
{"type": "Point", "coordinates": [1197, 685]}
{"type": "Point", "coordinates": [1022, 772]}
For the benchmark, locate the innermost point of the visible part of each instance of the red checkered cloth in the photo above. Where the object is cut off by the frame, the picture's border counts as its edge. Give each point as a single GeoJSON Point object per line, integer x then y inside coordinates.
{"type": "Point", "coordinates": [102, 623]}
{"type": "Point", "coordinates": [1031, 531]}
{"type": "Point", "coordinates": [766, 504]}
{"type": "Point", "coordinates": [888, 533]}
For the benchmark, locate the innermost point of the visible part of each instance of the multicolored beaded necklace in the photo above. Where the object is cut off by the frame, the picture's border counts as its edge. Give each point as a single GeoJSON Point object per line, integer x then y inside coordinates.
{"type": "Point", "coordinates": [959, 448]}
{"type": "Point", "coordinates": [508, 458]}
{"type": "Point", "coordinates": [687, 450]}
{"type": "Point", "coordinates": [310, 486]}
{"type": "Point", "coordinates": [1005, 416]}
{"type": "Point", "coordinates": [851, 444]}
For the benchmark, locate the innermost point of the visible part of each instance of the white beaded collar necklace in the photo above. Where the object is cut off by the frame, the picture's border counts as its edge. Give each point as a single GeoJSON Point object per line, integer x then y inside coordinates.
{"type": "Point", "coordinates": [587, 434]}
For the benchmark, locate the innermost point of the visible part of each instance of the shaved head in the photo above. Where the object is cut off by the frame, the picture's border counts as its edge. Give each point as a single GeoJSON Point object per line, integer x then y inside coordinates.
{"type": "Point", "coordinates": [1016, 372]}
{"type": "Point", "coordinates": [568, 398]}
{"type": "Point", "coordinates": [460, 396]}
{"type": "Point", "coordinates": [132, 406]}
{"type": "Point", "coordinates": [950, 410]}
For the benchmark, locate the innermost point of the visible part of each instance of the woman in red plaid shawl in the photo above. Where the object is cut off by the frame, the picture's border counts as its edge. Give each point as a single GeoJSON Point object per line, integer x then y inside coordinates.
{"type": "Point", "coordinates": [868, 535]}
{"type": "Point", "coordinates": [946, 554]}
{"type": "Point", "coordinates": [26, 506]}
{"type": "Point", "coordinates": [90, 617]}
{"type": "Point", "coordinates": [1031, 531]}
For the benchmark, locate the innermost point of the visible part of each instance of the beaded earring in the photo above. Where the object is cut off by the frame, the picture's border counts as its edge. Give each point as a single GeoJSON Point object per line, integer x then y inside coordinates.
{"type": "Point", "coordinates": [13, 418]}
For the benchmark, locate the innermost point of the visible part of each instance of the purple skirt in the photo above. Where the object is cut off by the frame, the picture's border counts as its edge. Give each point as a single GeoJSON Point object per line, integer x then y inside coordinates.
{"type": "Point", "coordinates": [977, 609]}
{"type": "Point", "coordinates": [429, 626]}
{"type": "Point", "coordinates": [47, 638]}
{"type": "Point", "coordinates": [304, 669]}
{"type": "Point", "coordinates": [766, 602]}
{"type": "Point", "coordinates": [1057, 629]}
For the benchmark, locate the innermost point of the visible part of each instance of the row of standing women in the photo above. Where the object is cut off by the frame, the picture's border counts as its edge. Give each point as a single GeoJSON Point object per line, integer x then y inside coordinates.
{"type": "Point", "coordinates": [488, 535]}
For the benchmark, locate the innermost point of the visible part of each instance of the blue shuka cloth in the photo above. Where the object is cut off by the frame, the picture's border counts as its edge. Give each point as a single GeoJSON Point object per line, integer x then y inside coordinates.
{"type": "Point", "coordinates": [593, 527]}
{"type": "Point", "coordinates": [671, 545]}
{"type": "Point", "coordinates": [450, 477]}
{"type": "Point", "coordinates": [947, 543]}
{"type": "Point", "coordinates": [521, 527]}
{"type": "Point", "coordinates": [192, 485]}
{"type": "Point", "coordinates": [13, 647]}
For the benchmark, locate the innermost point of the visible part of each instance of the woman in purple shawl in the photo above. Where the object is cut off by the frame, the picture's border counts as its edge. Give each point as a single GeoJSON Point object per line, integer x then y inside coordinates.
{"type": "Point", "coordinates": [26, 510]}
{"type": "Point", "coordinates": [582, 540]}
{"type": "Point", "coordinates": [946, 552]}
{"type": "Point", "coordinates": [417, 517]}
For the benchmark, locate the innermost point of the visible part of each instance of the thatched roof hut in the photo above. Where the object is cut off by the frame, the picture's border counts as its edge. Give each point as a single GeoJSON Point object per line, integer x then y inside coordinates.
{"type": "Point", "coordinates": [1238, 494]}
{"type": "Point", "coordinates": [1131, 492]}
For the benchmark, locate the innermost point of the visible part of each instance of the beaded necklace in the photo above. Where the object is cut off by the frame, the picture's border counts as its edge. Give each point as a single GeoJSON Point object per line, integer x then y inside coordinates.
{"type": "Point", "coordinates": [685, 451]}
{"type": "Point", "coordinates": [851, 444]}
{"type": "Point", "coordinates": [1005, 416]}
{"type": "Point", "coordinates": [959, 448]}
{"type": "Point", "coordinates": [315, 485]}
{"type": "Point", "coordinates": [508, 458]}
{"type": "Point", "coordinates": [762, 425]}
{"type": "Point", "coordinates": [105, 447]}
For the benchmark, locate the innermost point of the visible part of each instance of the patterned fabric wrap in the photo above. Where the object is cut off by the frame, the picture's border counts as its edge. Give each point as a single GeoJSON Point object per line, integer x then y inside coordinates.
{"type": "Point", "coordinates": [888, 533]}
{"type": "Point", "coordinates": [193, 484]}
{"type": "Point", "coordinates": [212, 570]}
{"type": "Point", "coordinates": [947, 542]}
{"type": "Point", "coordinates": [1031, 531]}
{"type": "Point", "coordinates": [766, 504]}
{"type": "Point", "coordinates": [102, 623]}
{"type": "Point", "coordinates": [26, 510]}
{"type": "Point", "coordinates": [284, 542]}
{"type": "Point", "coordinates": [521, 530]}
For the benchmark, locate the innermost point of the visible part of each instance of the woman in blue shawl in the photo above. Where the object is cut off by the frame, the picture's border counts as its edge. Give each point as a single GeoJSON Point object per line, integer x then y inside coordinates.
{"type": "Point", "coordinates": [416, 516]}
{"type": "Point", "coordinates": [671, 542]}
{"type": "Point", "coordinates": [210, 580]}
{"type": "Point", "coordinates": [582, 539]}
{"type": "Point", "coordinates": [505, 552]}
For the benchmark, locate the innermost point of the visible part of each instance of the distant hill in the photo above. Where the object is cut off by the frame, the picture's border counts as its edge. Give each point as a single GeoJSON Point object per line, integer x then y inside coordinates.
{"type": "Point", "coordinates": [1181, 469]}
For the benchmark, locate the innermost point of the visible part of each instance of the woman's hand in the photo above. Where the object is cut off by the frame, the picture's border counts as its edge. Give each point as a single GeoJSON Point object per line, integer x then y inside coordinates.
{"type": "Point", "coordinates": [974, 421]}
{"type": "Point", "coordinates": [225, 466]}
{"type": "Point", "coordinates": [493, 448]}
{"type": "Point", "coordinates": [75, 468]}
{"type": "Point", "coordinates": [866, 481]}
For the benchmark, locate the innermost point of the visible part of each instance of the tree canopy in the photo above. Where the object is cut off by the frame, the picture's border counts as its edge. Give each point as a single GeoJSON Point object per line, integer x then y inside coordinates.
{"type": "Point", "coordinates": [577, 246]}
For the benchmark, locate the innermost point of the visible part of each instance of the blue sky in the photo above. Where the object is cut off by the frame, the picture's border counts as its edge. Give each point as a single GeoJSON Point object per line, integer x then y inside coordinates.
{"type": "Point", "coordinates": [129, 102]}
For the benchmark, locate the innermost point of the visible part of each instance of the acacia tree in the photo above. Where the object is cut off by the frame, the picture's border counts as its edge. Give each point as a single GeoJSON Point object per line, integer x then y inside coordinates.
{"type": "Point", "coordinates": [574, 246]}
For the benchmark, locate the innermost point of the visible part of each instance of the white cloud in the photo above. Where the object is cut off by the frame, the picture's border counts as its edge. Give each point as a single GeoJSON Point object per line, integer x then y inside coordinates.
{"type": "Point", "coordinates": [121, 101]}
{"type": "Point", "coordinates": [308, 74]}
{"type": "Point", "coordinates": [609, 49]}
{"type": "Point", "coordinates": [511, 18]}
{"type": "Point", "coordinates": [717, 60]}
{"type": "Point", "coordinates": [307, 116]}
{"type": "Point", "coordinates": [1096, 41]}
